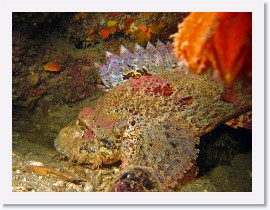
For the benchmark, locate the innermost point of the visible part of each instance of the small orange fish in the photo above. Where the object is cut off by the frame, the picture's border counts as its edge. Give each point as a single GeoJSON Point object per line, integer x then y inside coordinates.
{"type": "Point", "coordinates": [53, 66]}
{"type": "Point", "coordinates": [41, 170]}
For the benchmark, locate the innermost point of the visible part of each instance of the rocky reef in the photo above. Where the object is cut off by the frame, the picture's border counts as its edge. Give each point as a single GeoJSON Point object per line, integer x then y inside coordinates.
{"type": "Point", "coordinates": [142, 114]}
{"type": "Point", "coordinates": [73, 41]}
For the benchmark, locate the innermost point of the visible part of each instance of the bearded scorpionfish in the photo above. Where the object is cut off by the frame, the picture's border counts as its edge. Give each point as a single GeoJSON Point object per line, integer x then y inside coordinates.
{"type": "Point", "coordinates": [151, 122]}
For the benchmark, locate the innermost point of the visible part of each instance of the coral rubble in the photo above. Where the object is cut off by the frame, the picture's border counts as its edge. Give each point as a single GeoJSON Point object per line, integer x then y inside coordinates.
{"type": "Point", "coordinates": [136, 179]}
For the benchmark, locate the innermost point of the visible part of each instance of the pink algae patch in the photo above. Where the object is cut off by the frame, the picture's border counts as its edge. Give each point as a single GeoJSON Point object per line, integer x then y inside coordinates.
{"type": "Point", "coordinates": [87, 112]}
{"type": "Point", "coordinates": [89, 134]}
{"type": "Point", "coordinates": [106, 123]}
{"type": "Point", "coordinates": [121, 89]}
{"type": "Point", "coordinates": [151, 84]}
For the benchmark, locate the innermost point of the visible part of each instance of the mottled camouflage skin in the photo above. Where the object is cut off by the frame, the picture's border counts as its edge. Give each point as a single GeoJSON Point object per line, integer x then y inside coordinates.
{"type": "Point", "coordinates": [154, 121]}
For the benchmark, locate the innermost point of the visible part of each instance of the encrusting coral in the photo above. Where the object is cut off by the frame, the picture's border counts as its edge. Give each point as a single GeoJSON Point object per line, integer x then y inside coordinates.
{"type": "Point", "coordinates": [220, 39]}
